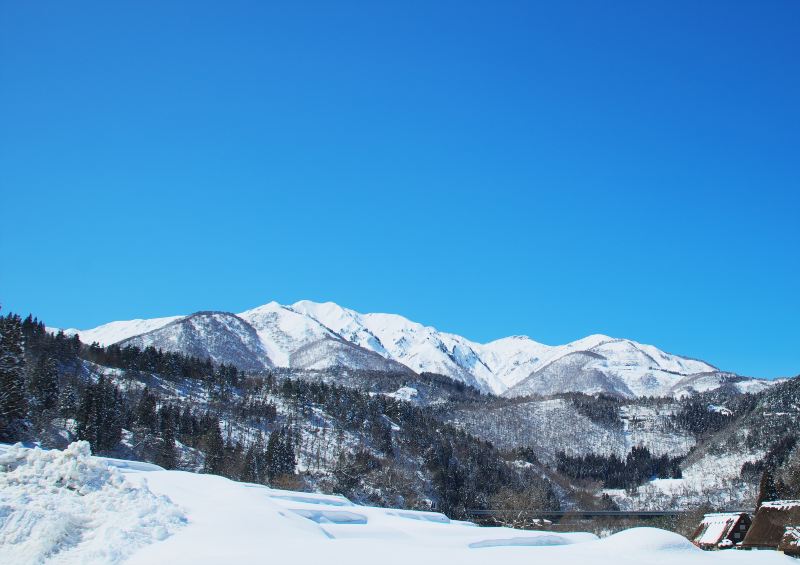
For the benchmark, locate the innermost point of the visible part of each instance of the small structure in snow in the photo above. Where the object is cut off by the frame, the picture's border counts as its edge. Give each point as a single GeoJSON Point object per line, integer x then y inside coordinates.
{"type": "Point", "coordinates": [721, 530]}
{"type": "Point", "coordinates": [770, 523]}
{"type": "Point", "coordinates": [790, 542]}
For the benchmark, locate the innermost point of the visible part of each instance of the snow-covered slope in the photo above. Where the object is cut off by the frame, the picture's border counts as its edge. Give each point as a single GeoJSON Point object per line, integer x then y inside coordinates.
{"type": "Point", "coordinates": [114, 332]}
{"type": "Point", "coordinates": [321, 335]}
{"type": "Point", "coordinates": [605, 364]}
{"type": "Point", "coordinates": [283, 331]}
{"type": "Point", "coordinates": [624, 367]}
{"type": "Point", "coordinates": [220, 336]}
{"type": "Point", "coordinates": [196, 518]}
{"type": "Point", "coordinates": [294, 339]}
{"type": "Point", "coordinates": [422, 348]}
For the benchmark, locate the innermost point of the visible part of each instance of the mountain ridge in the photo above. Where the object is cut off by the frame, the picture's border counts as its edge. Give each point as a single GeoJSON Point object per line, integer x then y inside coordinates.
{"type": "Point", "coordinates": [320, 335]}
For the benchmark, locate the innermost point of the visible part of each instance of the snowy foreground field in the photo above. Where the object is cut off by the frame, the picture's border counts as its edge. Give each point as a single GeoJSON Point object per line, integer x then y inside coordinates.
{"type": "Point", "coordinates": [69, 507]}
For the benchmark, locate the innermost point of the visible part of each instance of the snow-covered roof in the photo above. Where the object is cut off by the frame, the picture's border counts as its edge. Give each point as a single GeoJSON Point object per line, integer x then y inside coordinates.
{"type": "Point", "coordinates": [781, 504]}
{"type": "Point", "coordinates": [715, 527]}
{"type": "Point", "coordinates": [790, 542]}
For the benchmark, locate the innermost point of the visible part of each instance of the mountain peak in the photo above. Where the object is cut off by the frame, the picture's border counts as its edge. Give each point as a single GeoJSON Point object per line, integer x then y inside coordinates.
{"type": "Point", "coordinates": [310, 334]}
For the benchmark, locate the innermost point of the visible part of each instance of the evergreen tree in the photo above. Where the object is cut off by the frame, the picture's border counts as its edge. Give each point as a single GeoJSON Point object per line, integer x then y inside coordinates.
{"type": "Point", "coordinates": [254, 465]}
{"type": "Point", "coordinates": [214, 450]}
{"type": "Point", "coordinates": [67, 401]}
{"type": "Point", "coordinates": [188, 428]}
{"type": "Point", "coordinates": [12, 376]}
{"type": "Point", "coordinates": [767, 487]}
{"type": "Point", "coordinates": [43, 384]}
{"type": "Point", "coordinates": [99, 416]}
{"type": "Point", "coordinates": [773, 485]}
{"type": "Point", "coordinates": [146, 417]}
{"type": "Point", "coordinates": [167, 454]}
{"type": "Point", "coordinates": [280, 457]}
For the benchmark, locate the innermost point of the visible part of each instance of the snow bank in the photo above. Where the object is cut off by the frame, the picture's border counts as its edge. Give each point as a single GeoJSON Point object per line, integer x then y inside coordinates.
{"type": "Point", "coordinates": [647, 540]}
{"type": "Point", "coordinates": [70, 507]}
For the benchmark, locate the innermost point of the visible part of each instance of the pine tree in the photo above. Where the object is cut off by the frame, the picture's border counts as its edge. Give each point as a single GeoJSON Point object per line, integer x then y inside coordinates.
{"type": "Point", "coordinates": [12, 376]}
{"type": "Point", "coordinates": [167, 454]}
{"type": "Point", "coordinates": [85, 417]}
{"type": "Point", "coordinates": [214, 450]}
{"type": "Point", "coordinates": [254, 465]}
{"type": "Point", "coordinates": [249, 473]}
{"type": "Point", "coordinates": [98, 416]}
{"type": "Point", "coordinates": [280, 453]}
{"type": "Point", "coordinates": [146, 417]}
{"type": "Point", "coordinates": [188, 428]}
{"type": "Point", "coordinates": [109, 415]}
{"type": "Point", "coordinates": [767, 487]}
{"type": "Point", "coordinates": [43, 384]}
{"type": "Point", "coordinates": [67, 402]}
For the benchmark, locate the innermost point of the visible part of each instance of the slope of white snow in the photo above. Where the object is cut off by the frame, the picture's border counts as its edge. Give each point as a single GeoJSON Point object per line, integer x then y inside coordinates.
{"type": "Point", "coordinates": [284, 331]}
{"type": "Point", "coordinates": [114, 332]}
{"type": "Point", "coordinates": [421, 348]}
{"type": "Point", "coordinates": [229, 522]}
{"type": "Point", "coordinates": [68, 507]}
{"type": "Point", "coordinates": [295, 339]}
{"type": "Point", "coordinates": [219, 336]}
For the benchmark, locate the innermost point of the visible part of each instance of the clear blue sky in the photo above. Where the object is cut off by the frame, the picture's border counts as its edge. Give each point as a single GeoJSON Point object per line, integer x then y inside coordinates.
{"type": "Point", "coordinates": [628, 168]}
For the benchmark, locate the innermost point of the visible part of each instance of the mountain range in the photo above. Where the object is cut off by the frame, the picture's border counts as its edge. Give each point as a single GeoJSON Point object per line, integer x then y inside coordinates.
{"type": "Point", "coordinates": [320, 336]}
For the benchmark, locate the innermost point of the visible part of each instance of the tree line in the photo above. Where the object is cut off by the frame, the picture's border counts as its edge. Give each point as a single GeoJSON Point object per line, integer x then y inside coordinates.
{"type": "Point", "coordinates": [638, 466]}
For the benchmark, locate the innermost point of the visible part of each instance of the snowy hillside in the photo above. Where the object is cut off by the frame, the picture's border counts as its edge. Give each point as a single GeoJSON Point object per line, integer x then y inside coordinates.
{"type": "Point", "coordinates": [312, 335]}
{"type": "Point", "coordinates": [67, 507]}
{"type": "Point", "coordinates": [114, 332]}
{"type": "Point", "coordinates": [294, 339]}
{"type": "Point", "coordinates": [220, 336]}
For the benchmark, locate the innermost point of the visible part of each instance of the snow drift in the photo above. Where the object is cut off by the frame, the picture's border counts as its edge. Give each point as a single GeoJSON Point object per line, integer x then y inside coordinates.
{"type": "Point", "coordinates": [72, 508]}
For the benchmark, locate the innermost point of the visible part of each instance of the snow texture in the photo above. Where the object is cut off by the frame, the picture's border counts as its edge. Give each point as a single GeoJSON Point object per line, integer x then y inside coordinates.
{"type": "Point", "coordinates": [114, 332]}
{"type": "Point", "coordinates": [68, 507]}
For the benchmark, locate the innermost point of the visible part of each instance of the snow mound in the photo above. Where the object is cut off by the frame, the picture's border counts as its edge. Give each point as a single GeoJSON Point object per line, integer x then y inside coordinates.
{"type": "Point", "coordinates": [331, 516]}
{"type": "Point", "coordinates": [539, 541]}
{"type": "Point", "coordinates": [70, 507]}
{"type": "Point", "coordinates": [647, 539]}
{"type": "Point", "coordinates": [435, 517]}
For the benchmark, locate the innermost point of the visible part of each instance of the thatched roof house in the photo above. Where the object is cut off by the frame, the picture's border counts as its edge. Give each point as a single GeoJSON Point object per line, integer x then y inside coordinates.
{"type": "Point", "coordinates": [790, 542]}
{"type": "Point", "coordinates": [721, 530]}
{"type": "Point", "coordinates": [770, 523]}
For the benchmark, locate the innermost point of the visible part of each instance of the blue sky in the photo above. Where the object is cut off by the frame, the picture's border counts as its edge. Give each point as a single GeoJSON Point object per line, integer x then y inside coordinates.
{"type": "Point", "coordinates": [489, 168]}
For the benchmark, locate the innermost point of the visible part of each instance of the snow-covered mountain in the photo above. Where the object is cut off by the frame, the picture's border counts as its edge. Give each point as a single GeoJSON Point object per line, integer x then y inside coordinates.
{"type": "Point", "coordinates": [313, 335]}
{"type": "Point", "coordinates": [220, 336]}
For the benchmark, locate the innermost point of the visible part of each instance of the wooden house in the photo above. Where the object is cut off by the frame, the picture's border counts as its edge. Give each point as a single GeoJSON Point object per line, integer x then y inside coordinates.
{"type": "Point", "coordinates": [721, 530]}
{"type": "Point", "coordinates": [770, 523]}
